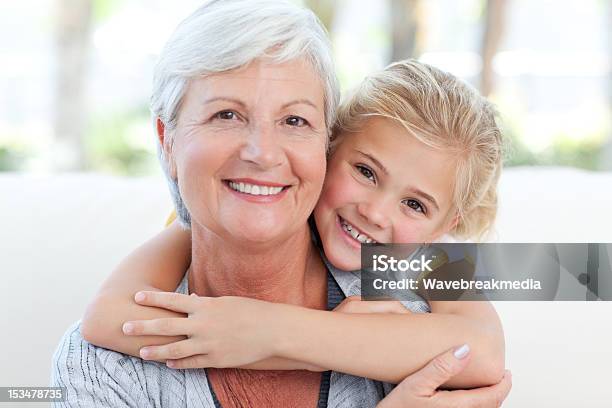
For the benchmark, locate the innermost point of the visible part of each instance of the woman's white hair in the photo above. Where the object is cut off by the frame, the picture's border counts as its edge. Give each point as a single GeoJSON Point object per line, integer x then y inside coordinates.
{"type": "Point", "coordinates": [227, 34]}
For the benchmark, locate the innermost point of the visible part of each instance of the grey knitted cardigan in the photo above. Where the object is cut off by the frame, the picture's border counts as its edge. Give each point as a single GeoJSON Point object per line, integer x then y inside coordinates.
{"type": "Point", "coordinates": [97, 377]}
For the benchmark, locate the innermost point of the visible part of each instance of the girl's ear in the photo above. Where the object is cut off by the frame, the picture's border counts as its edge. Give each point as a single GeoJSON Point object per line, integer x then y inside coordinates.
{"type": "Point", "coordinates": [447, 226]}
{"type": "Point", "coordinates": [452, 223]}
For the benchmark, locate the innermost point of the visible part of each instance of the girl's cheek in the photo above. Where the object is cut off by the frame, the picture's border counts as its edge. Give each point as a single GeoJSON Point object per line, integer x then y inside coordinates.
{"type": "Point", "coordinates": [408, 232]}
{"type": "Point", "coordinates": [340, 189]}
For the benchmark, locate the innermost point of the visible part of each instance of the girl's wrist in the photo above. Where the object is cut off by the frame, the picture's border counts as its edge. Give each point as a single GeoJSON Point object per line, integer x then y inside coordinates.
{"type": "Point", "coordinates": [286, 325]}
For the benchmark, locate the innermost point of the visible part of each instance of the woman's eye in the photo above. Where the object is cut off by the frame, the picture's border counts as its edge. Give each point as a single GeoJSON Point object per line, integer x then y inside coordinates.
{"type": "Point", "coordinates": [296, 121]}
{"type": "Point", "coordinates": [226, 115]}
{"type": "Point", "coordinates": [366, 172]}
{"type": "Point", "coordinates": [415, 205]}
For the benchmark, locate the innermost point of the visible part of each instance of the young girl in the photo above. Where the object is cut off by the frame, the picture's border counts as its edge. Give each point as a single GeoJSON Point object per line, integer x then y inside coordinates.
{"type": "Point", "coordinates": [415, 155]}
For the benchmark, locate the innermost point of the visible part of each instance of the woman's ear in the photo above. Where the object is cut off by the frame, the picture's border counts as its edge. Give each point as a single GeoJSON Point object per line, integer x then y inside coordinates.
{"type": "Point", "coordinates": [160, 127]}
{"type": "Point", "coordinates": [165, 144]}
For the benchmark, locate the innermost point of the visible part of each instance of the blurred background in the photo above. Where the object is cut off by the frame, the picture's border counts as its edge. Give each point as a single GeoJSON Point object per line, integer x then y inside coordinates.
{"type": "Point", "coordinates": [75, 75]}
{"type": "Point", "coordinates": [80, 185]}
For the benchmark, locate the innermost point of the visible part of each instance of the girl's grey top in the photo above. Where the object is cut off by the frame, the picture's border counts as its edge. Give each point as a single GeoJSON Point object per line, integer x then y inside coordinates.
{"type": "Point", "coordinates": [350, 283]}
{"type": "Point", "coordinates": [97, 377]}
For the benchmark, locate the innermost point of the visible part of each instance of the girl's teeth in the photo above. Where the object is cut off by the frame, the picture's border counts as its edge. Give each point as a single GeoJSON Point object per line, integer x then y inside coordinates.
{"type": "Point", "coordinates": [254, 189]}
{"type": "Point", "coordinates": [362, 238]}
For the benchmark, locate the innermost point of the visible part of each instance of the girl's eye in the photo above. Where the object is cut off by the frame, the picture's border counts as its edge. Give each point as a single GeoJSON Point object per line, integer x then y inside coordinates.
{"type": "Point", "coordinates": [415, 205]}
{"type": "Point", "coordinates": [366, 172]}
{"type": "Point", "coordinates": [296, 121]}
{"type": "Point", "coordinates": [226, 115]}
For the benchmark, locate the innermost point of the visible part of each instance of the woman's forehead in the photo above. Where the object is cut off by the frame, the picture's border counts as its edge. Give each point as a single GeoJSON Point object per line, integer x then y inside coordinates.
{"type": "Point", "coordinates": [283, 82]}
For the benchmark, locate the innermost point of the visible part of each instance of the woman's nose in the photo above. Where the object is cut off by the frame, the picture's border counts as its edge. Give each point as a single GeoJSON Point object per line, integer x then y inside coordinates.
{"type": "Point", "coordinates": [375, 213]}
{"type": "Point", "coordinates": [262, 148]}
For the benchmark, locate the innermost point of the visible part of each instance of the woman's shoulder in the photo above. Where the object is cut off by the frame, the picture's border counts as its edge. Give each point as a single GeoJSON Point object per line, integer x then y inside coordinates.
{"type": "Point", "coordinates": [95, 376]}
{"type": "Point", "coordinates": [76, 353]}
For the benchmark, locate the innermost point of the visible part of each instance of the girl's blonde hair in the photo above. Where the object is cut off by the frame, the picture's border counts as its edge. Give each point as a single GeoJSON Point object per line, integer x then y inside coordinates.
{"type": "Point", "coordinates": [442, 112]}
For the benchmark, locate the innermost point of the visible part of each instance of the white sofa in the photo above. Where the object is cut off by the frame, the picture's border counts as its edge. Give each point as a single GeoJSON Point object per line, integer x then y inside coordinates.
{"type": "Point", "coordinates": [60, 236]}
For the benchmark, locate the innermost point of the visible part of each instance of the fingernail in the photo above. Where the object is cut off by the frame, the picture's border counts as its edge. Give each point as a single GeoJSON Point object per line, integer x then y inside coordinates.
{"type": "Point", "coordinates": [128, 328]}
{"type": "Point", "coordinates": [144, 352]}
{"type": "Point", "coordinates": [170, 363]}
{"type": "Point", "coordinates": [462, 351]}
{"type": "Point", "coordinates": [139, 297]}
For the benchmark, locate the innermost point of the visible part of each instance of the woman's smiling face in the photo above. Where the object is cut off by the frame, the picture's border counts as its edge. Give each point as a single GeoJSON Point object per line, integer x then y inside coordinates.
{"type": "Point", "coordinates": [249, 150]}
{"type": "Point", "coordinates": [383, 185]}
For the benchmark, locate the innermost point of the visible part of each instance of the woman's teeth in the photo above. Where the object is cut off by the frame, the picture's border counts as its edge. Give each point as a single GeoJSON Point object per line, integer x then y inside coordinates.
{"type": "Point", "coordinates": [254, 189]}
{"type": "Point", "coordinates": [356, 234]}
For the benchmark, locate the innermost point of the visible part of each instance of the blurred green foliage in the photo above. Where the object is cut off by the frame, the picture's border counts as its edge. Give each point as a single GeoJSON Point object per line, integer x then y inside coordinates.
{"type": "Point", "coordinates": [586, 153]}
{"type": "Point", "coordinates": [13, 153]}
{"type": "Point", "coordinates": [122, 144]}
{"type": "Point", "coordinates": [10, 158]}
{"type": "Point", "coordinates": [102, 9]}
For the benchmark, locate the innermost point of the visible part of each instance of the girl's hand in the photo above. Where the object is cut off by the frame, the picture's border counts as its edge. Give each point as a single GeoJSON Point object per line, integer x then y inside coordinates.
{"type": "Point", "coordinates": [223, 332]}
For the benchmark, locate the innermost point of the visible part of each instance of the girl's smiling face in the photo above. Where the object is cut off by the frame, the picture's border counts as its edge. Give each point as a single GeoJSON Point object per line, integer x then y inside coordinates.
{"type": "Point", "coordinates": [383, 185]}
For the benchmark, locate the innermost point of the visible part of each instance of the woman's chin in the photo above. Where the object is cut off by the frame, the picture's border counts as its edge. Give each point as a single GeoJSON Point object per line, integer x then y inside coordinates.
{"type": "Point", "coordinates": [259, 235]}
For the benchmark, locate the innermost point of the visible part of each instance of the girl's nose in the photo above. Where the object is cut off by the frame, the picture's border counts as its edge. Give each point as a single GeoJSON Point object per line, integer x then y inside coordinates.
{"type": "Point", "coordinates": [375, 213]}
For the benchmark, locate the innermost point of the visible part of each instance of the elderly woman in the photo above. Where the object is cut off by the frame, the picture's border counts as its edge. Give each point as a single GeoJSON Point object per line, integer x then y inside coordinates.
{"type": "Point", "coordinates": [244, 92]}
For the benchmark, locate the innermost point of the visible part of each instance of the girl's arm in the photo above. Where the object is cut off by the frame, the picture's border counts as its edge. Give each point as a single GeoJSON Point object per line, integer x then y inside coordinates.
{"type": "Point", "coordinates": [390, 347]}
{"type": "Point", "coordinates": [237, 332]}
{"type": "Point", "coordinates": [385, 347]}
{"type": "Point", "coordinates": [157, 265]}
